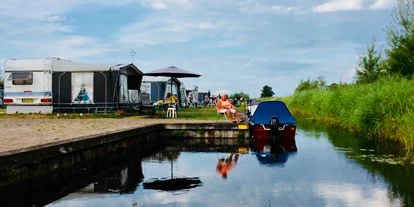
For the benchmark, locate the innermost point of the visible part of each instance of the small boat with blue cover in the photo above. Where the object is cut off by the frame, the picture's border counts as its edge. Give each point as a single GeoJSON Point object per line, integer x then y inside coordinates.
{"type": "Point", "coordinates": [272, 120]}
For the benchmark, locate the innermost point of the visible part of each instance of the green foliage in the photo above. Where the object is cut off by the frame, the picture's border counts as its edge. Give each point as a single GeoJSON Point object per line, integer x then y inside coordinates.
{"type": "Point", "coordinates": [319, 83]}
{"type": "Point", "coordinates": [239, 95]}
{"type": "Point", "coordinates": [178, 133]}
{"type": "Point", "coordinates": [401, 40]}
{"type": "Point", "coordinates": [370, 68]}
{"type": "Point", "coordinates": [267, 92]}
{"type": "Point", "coordinates": [10, 173]}
{"type": "Point", "coordinates": [240, 137]}
{"type": "Point", "coordinates": [383, 109]}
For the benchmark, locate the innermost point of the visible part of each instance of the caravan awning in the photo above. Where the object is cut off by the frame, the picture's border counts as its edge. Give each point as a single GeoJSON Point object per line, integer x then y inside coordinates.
{"type": "Point", "coordinates": [20, 76]}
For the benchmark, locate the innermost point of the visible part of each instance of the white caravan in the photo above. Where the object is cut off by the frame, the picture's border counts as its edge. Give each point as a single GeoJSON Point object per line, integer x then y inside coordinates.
{"type": "Point", "coordinates": [37, 85]}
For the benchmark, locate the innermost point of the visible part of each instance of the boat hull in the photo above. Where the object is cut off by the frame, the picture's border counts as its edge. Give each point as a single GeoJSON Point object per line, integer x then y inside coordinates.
{"type": "Point", "coordinates": [285, 136]}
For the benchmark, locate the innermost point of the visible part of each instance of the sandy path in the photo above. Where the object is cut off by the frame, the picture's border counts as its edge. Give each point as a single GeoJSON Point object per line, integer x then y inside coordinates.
{"type": "Point", "coordinates": [20, 133]}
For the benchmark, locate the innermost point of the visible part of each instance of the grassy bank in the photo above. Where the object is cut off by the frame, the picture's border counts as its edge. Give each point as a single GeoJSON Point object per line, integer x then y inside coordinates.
{"type": "Point", "coordinates": [384, 109]}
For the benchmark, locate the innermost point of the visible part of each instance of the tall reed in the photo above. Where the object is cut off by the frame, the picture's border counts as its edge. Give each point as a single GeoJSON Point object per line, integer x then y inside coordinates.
{"type": "Point", "coordinates": [383, 109]}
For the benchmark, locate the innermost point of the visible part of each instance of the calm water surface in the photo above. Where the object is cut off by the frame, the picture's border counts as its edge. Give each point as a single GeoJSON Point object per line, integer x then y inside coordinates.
{"type": "Point", "coordinates": [330, 168]}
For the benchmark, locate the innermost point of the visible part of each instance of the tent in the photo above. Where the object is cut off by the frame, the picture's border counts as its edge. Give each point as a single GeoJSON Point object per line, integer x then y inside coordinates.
{"type": "Point", "coordinates": [158, 87]}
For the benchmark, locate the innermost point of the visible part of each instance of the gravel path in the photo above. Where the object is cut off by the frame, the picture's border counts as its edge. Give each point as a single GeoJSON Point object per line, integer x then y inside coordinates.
{"type": "Point", "coordinates": [20, 133]}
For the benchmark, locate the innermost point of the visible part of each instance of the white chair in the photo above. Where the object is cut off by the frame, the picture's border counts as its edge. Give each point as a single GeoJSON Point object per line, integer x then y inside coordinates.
{"type": "Point", "coordinates": [225, 115]}
{"type": "Point", "coordinates": [172, 111]}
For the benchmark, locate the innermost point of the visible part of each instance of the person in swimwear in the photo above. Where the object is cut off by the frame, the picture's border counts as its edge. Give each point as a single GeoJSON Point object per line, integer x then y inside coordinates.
{"type": "Point", "coordinates": [224, 106]}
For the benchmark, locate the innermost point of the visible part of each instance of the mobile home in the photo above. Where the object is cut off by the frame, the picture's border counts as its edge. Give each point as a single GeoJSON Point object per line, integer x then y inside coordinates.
{"type": "Point", "coordinates": [44, 85]}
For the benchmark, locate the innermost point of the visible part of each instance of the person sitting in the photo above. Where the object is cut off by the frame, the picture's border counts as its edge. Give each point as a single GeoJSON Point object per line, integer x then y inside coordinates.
{"type": "Point", "coordinates": [206, 100]}
{"type": "Point", "coordinates": [171, 98]}
{"type": "Point", "coordinates": [224, 106]}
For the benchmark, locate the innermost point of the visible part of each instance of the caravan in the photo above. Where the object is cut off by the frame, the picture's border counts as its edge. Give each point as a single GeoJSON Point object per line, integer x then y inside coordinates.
{"type": "Point", "coordinates": [47, 84]}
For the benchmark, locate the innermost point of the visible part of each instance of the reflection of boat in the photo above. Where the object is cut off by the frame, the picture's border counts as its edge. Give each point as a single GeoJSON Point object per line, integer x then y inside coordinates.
{"type": "Point", "coordinates": [273, 120]}
{"type": "Point", "coordinates": [268, 153]}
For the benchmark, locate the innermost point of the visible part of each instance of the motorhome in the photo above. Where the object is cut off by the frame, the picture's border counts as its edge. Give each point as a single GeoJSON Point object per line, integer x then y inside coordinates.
{"type": "Point", "coordinates": [48, 84]}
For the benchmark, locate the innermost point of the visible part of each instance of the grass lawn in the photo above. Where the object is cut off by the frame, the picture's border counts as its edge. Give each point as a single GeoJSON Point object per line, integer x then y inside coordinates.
{"type": "Point", "coordinates": [208, 113]}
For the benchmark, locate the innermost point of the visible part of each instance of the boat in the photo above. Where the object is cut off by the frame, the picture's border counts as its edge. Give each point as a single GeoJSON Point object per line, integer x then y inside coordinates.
{"type": "Point", "coordinates": [273, 121]}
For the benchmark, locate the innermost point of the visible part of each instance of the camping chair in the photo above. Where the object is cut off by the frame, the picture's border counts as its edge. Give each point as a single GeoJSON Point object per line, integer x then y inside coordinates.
{"type": "Point", "coordinates": [145, 101]}
{"type": "Point", "coordinates": [225, 115]}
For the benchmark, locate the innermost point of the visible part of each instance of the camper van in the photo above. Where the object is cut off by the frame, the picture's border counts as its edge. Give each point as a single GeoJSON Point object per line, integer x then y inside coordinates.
{"type": "Point", "coordinates": [47, 84]}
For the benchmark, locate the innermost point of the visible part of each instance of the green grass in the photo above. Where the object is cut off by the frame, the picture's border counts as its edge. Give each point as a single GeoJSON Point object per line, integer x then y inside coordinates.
{"type": "Point", "coordinates": [208, 113]}
{"type": "Point", "coordinates": [2, 110]}
{"type": "Point", "coordinates": [384, 109]}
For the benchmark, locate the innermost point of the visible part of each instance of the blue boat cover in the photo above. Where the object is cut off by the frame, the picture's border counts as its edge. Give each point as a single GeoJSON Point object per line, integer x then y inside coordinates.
{"type": "Point", "coordinates": [265, 110]}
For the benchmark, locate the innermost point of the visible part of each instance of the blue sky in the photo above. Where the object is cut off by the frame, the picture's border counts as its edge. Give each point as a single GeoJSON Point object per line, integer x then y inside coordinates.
{"type": "Point", "coordinates": [238, 45]}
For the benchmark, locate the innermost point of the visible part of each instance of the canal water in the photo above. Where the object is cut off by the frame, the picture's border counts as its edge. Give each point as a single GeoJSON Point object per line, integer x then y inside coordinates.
{"type": "Point", "coordinates": [330, 168]}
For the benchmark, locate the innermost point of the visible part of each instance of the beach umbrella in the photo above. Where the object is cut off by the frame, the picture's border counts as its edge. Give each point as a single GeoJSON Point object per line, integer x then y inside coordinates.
{"type": "Point", "coordinates": [219, 92]}
{"type": "Point", "coordinates": [173, 72]}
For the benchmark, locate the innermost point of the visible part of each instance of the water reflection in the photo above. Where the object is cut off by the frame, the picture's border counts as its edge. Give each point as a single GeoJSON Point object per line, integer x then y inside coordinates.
{"type": "Point", "coordinates": [172, 183]}
{"type": "Point", "coordinates": [380, 158]}
{"type": "Point", "coordinates": [224, 165]}
{"type": "Point", "coordinates": [268, 153]}
{"type": "Point", "coordinates": [327, 171]}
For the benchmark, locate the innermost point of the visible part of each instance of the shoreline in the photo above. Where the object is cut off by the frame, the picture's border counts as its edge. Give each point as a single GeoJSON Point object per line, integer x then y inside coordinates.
{"type": "Point", "coordinates": [22, 133]}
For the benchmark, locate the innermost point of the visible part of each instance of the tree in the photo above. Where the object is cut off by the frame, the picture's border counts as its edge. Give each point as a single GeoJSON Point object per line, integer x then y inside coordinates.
{"type": "Point", "coordinates": [267, 92]}
{"type": "Point", "coordinates": [319, 83]}
{"type": "Point", "coordinates": [401, 40]}
{"type": "Point", "coordinates": [370, 65]}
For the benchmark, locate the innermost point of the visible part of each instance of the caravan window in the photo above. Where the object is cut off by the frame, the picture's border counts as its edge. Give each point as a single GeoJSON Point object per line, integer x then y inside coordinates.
{"type": "Point", "coordinates": [21, 78]}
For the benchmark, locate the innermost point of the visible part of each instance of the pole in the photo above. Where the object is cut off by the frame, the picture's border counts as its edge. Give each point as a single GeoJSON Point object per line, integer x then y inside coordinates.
{"type": "Point", "coordinates": [132, 55]}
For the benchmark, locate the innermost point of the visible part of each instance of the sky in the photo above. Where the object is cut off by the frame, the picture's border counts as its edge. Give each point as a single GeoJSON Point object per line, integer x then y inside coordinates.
{"type": "Point", "coordinates": [237, 45]}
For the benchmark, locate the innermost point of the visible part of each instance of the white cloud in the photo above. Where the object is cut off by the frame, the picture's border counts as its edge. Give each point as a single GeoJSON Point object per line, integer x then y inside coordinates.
{"type": "Point", "coordinates": [339, 5]}
{"type": "Point", "coordinates": [163, 4]}
{"type": "Point", "coordinates": [383, 4]}
{"type": "Point", "coordinates": [353, 195]}
{"type": "Point", "coordinates": [70, 47]}
{"type": "Point", "coordinates": [252, 6]}
{"type": "Point", "coordinates": [279, 8]}
{"type": "Point", "coordinates": [161, 29]}
{"type": "Point", "coordinates": [54, 18]}
{"type": "Point", "coordinates": [220, 44]}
